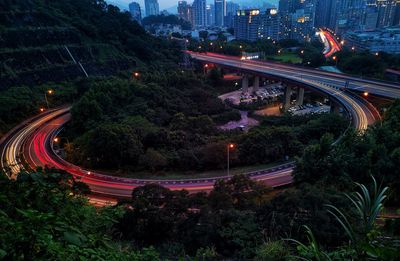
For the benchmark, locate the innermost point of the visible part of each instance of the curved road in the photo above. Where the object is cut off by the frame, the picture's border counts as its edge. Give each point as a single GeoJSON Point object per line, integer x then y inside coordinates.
{"type": "Point", "coordinates": [30, 144]}
{"type": "Point", "coordinates": [33, 144]}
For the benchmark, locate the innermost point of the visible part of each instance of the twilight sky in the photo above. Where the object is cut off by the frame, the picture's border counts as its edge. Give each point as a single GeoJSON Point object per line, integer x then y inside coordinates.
{"type": "Point", "coordinates": [165, 4]}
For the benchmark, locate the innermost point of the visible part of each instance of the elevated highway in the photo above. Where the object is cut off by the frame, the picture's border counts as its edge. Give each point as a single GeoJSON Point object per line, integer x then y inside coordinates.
{"type": "Point", "coordinates": [30, 145]}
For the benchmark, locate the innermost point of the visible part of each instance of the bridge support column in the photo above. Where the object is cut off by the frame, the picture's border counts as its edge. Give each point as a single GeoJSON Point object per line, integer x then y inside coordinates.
{"type": "Point", "coordinates": [335, 108]}
{"type": "Point", "coordinates": [300, 96]}
{"type": "Point", "coordinates": [245, 83]}
{"type": "Point", "coordinates": [288, 94]}
{"type": "Point", "coordinates": [256, 84]}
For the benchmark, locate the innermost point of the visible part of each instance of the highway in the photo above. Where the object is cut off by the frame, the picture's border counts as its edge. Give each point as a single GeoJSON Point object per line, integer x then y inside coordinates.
{"type": "Point", "coordinates": [31, 143]}
{"type": "Point", "coordinates": [330, 42]}
{"type": "Point", "coordinates": [34, 143]}
{"type": "Point", "coordinates": [331, 84]}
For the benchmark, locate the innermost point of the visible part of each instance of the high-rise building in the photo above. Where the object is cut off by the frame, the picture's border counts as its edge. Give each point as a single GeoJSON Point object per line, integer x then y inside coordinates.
{"type": "Point", "coordinates": [134, 10]}
{"type": "Point", "coordinates": [252, 24]}
{"type": "Point", "coordinates": [324, 10]}
{"type": "Point", "coordinates": [184, 10]}
{"type": "Point", "coordinates": [387, 12]}
{"type": "Point", "coordinates": [297, 18]}
{"type": "Point", "coordinates": [269, 25]}
{"type": "Point", "coordinates": [199, 13]}
{"type": "Point", "coordinates": [210, 15]}
{"type": "Point", "coordinates": [349, 15]}
{"type": "Point", "coordinates": [231, 9]}
{"type": "Point", "coordinates": [152, 7]}
{"type": "Point", "coordinates": [220, 12]}
{"type": "Point", "coordinates": [247, 24]}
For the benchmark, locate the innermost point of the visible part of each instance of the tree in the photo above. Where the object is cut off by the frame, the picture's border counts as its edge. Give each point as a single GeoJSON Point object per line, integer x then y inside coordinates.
{"type": "Point", "coordinates": [153, 160]}
{"type": "Point", "coordinates": [41, 223]}
{"type": "Point", "coordinates": [320, 162]}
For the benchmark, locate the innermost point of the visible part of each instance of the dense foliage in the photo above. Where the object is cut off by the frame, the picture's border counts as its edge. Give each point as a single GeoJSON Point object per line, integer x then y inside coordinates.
{"type": "Point", "coordinates": [367, 64]}
{"type": "Point", "coordinates": [166, 19]}
{"type": "Point", "coordinates": [43, 216]}
{"type": "Point", "coordinates": [376, 152]}
{"type": "Point", "coordinates": [235, 220]}
{"type": "Point", "coordinates": [38, 38]}
{"type": "Point", "coordinates": [169, 122]}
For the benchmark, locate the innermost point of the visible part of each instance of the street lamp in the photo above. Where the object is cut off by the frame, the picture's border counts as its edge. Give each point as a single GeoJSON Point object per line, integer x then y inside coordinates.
{"type": "Point", "coordinates": [49, 92]}
{"type": "Point", "coordinates": [365, 94]}
{"type": "Point", "coordinates": [58, 139]}
{"type": "Point", "coordinates": [228, 148]}
{"type": "Point", "coordinates": [136, 75]}
{"type": "Point", "coordinates": [41, 109]}
{"type": "Point", "coordinates": [205, 69]}
{"type": "Point", "coordinates": [335, 59]}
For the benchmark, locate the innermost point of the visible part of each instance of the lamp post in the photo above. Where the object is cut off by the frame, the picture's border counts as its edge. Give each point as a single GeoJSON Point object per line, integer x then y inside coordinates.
{"type": "Point", "coordinates": [205, 67]}
{"type": "Point", "coordinates": [228, 148]}
{"type": "Point", "coordinates": [50, 92]}
{"type": "Point", "coordinates": [57, 140]}
{"type": "Point", "coordinates": [335, 59]}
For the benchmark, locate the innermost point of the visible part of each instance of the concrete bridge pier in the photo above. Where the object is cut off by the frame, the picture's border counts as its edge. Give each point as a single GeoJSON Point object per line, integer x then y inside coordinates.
{"type": "Point", "coordinates": [287, 98]}
{"type": "Point", "coordinates": [245, 83]}
{"type": "Point", "coordinates": [300, 96]}
{"type": "Point", "coordinates": [256, 84]}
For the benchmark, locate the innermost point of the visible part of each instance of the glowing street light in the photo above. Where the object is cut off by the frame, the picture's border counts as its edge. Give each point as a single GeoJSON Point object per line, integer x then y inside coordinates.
{"type": "Point", "coordinates": [205, 68]}
{"type": "Point", "coordinates": [365, 94]}
{"type": "Point", "coordinates": [136, 75]}
{"type": "Point", "coordinates": [230, 146]}
{"type": "Point", "coordinates": [56, 139]}
{"type": "Point", "coordinates": [302, 52]}
{"type": "Point", "coordinates": [42, 109]}
{"type": "Point", "coordinates": [48, 92]}
{"type": "Point", "coordinates": [335, 59]}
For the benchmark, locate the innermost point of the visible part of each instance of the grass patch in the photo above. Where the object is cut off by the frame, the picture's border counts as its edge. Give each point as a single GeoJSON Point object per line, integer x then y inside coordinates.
{"type": "Point", "coordinates": [286, 57]}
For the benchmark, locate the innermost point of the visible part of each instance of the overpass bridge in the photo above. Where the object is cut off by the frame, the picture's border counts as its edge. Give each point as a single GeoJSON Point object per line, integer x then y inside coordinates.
{"type": "Point", "coordinates": [30, 145]}
{"type": "Point", "coordinates": [340, 88]}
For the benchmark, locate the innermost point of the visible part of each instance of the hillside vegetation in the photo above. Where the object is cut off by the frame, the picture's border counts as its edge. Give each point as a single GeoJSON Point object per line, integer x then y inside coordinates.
{"type": "Point", "coordinates": [46, 41]}
{"type": "Point", "coordinates": [54, 44]}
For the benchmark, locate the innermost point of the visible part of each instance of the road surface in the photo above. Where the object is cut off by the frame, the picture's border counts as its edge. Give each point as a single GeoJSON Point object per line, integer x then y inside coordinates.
{"type": "Point", "coordinates": [33, 144]}
{"type": "Point", "coordinates": [30, 144]}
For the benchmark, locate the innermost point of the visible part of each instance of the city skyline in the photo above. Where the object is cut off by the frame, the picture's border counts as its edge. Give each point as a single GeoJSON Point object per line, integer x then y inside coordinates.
{"type": "Point", "coordinates": [172, 4]}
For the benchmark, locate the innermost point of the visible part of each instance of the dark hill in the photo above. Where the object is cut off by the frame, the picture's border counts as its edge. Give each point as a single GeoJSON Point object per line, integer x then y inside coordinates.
{"type": "Point", "coordinates": [57, 40]}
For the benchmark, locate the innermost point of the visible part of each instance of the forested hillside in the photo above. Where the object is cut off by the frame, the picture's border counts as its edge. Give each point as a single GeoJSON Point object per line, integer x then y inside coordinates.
{"type": "Point", "coordinates": [64, 45]}
{"type": "Point", "coordinates": [52, 41]}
